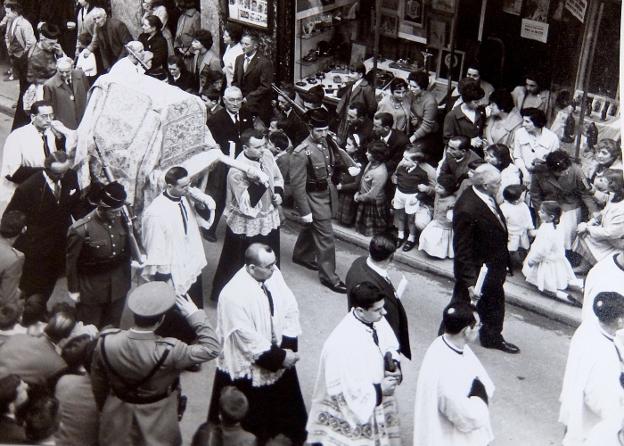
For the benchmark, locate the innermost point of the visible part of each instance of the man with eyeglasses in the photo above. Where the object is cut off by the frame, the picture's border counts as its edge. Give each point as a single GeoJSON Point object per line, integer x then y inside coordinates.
{"type": "Point", "coordinates": [27, 147]}
{"type": "Point", "coordinates": [454, 389]}
{"type": "Point", "coordinates": [226, 126]}
{"type": "Point", "coordinates": [251, 208]}
{"type": "Point", "coordinates": [258, 322]}
{"type": "Point", "coordinates": [353, 400]}
{"type": "Point", "coordinates": [593, 383]}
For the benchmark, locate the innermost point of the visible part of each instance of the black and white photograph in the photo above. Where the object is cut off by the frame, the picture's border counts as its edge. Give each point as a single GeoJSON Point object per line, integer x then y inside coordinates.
{"type": "Point", "coordinates": [274, 223]}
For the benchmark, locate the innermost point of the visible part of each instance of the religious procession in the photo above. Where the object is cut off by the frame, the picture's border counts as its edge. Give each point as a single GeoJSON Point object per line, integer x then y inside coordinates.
{"type": "Point", "coordinates": [311, 222]}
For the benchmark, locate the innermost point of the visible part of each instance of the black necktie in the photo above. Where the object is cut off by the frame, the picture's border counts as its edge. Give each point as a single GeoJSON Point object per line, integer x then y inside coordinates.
{"type": "Point", "coordinates": [269, 297]}
{"type": "Point", "coordinates": [375, 337]}
{"type": "Point", "coordinates": [184, 216]}
{"type": "Point", "coordinates": [46, 147]}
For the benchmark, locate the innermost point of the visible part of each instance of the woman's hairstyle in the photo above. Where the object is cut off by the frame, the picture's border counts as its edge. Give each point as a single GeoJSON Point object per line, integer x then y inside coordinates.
{"type": "Point", "coordinates": [503, 100]}
{"type": "Point", "coordinates": [235, 31]}
{"type": "Point", "coordinates": [378, 150]}
{"type": "Point", "coordinates": [398, 83]}
{"type": "Point", "coordinates": [612, 146]}
{"type": "Point", "coordinates": [558, 161]}
{"type": "Point", "coordinates": [537, 116]}
{"type": "Point", "coordinates": [154, 22]}
{"type": "Point", "coordinates": [421, 78]}
{"type": "Point", "coordinates": [615, 179]}
{"type": "Point", "coordinates": [553, 209]}
{"type": "Point", "coordinates": [470, 90]}
{"type": "Point", "coordinates": [60, 326]}
{"type": "Point", "coordinates": [501, 153]}
{"type": "Point", "coordinates": [536, 77]}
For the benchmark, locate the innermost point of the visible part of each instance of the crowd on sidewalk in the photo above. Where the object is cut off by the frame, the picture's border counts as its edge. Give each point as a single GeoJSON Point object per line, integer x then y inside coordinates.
{"type": "Point", "coordinates": [486, 184]}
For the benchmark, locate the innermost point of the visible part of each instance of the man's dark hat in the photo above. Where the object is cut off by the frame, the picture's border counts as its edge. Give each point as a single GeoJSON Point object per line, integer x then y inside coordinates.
{"type": "Point", "coordinates": [314, 95]}
{"type": "Point", "coordinates": [113, 195]}
{"type": "Point", "coordinates": [318, 118]}
{"type": "Point", "coordinates": [50, 31]}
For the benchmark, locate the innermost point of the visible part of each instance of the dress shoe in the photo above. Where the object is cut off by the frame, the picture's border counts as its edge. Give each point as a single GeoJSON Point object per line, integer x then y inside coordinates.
{"type": "Point", "coordinates": [409, 245]}
{"type": "Point", "coordinates": [503, 345]}
{"type": "Point", "coordinates": [313, 266]}
{"type": "Point", "coordinates": [208, 235]}
{"type": "Point", "coordinates": [338, 287]}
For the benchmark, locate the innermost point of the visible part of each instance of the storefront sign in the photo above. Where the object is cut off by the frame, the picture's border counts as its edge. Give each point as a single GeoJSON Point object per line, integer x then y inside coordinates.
{"type": "Point", "coordinates": [249, 12]}
{"type": "Point", "coordinates": [577, 8]}
{"type": "Point", "coordinates": [534, 30]}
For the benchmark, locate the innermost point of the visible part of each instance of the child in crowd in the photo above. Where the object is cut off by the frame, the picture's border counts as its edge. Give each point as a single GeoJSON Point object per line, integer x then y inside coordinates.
{"type": "Point", "coordinates": [86, 63]}
{"type": "Point", "coordinates": [546, 265]}
{"type": "Point", "coordinates": [347, 185]}
{"type": "Point", "coordinates": [519, 222]}
{"type": "Point", "coordinates": [413, 196]}
{"type": "Point", "coordinates": [233, 407]}
{"type": "Point", "coordinates": [600, 190]}
{"type": "Point", "coordinates": [372, 212]}
{"type": "Point", "coordinates": [437, 238]}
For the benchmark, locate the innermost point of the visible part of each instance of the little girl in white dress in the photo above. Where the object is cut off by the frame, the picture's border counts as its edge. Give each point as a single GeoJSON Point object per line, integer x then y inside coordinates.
{"type": "Point", "coordinates": [546, 266]}
{"type": "Point", "coordinates": [437, 237]}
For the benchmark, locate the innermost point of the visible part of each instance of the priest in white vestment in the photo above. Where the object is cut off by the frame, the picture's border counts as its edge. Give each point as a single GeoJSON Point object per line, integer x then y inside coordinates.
{"type": "Point", "coordinates": [26, 148]}
{"type": "Point", "coordinates": [258, 324]}
{"type": "Point", "coordinates": [453, 390]}
{"type": "Point", "coordinates": [353, 402]}
{"type": "Point", "coordinates": [592, 389]}
{"type": "Point", "coordinates": [606, 275]}
{"type": "Point", "coordinates": [171, 236]}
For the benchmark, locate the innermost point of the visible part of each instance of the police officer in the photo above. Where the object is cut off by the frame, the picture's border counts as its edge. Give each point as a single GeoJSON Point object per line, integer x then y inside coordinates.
{"type": "Point", "coordinates": [312, 165]}
{"type": "Point", "coordinates": [98, 260]}
{"type": "Point", "coordinates": [135, 373]}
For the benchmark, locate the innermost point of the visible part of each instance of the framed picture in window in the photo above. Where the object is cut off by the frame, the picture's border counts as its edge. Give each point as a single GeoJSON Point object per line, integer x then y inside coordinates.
{"type": "Point", "coordinates": [389, 25]}
{"type": "Point", "coordinates": [451, 68]}
{"type": "Point", "coordinates": [249, 12]}
{"type": "Point", "coordinates": [414, 12]}
{"type": "Point", "coordinates": [438, 32]}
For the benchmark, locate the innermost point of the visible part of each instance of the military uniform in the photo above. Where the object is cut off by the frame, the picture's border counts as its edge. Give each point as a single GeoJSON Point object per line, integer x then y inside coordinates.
{"type": "Point", "coordinates": [98, 267]}
{"type": "Point", "coordinates": [312, 165]}
{"type": "Point", "coordinates": [135, 374]}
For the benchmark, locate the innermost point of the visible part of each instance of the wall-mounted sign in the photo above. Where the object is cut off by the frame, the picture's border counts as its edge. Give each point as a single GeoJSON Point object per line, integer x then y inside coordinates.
{"type": "Point", "coordinates": [577, 8]}
{"type": "Point", "coordinates": [534, 30]}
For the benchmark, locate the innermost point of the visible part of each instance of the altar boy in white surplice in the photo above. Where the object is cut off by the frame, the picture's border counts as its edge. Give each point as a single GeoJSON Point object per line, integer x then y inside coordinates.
{"type": "Point", "coordinates": [357, 377]}
{"type": "Point", "coordinates": [453, 390]}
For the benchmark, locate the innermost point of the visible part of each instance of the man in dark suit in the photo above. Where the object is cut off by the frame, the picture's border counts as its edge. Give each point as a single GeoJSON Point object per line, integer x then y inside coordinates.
{"type": "Point", "coordinates": [67, 92]}
{"type": "Point", "coordinates": [47, 198]}
{"type": "Point", "coordinates": [291, 123]}
{"type": "Point", "coordinates": [396, 141]}
{"type": "Point", "coordinates": [480, 238]}
{"type": "Point", "coordinates": [374, 269]}
{"type": "Point", "coordinates": [253, 74]}
{"type": "Point", "coordinates": [457, 161]}
{"type": "Point", "coordinates": [111, 38]}
{"type": "Point", "coordinates": [226, 127]}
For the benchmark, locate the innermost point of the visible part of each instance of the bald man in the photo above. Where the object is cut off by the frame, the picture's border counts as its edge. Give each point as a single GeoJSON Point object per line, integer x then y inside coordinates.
{"type": "Point", "coordinates": [67, 93]}
{"type": "Point", "coordinates": [131, 65]}
{"type": "Point", "coordinates": [480, 239]}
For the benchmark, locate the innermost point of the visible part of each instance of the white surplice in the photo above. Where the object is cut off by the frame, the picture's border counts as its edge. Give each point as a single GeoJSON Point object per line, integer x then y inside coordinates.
{"type": "Point", "coordinates": [443, 413]}
{"type": "Point", "coordinates": [344, 395]}
{"type": "Point", "coordinates": [591, 389]}
{"type": "Point", "coordinates": [244, 324]}
{"type": "Point", "coordinates": [606, 275]}
{"type": "Point", "coordinates": [169, 250]}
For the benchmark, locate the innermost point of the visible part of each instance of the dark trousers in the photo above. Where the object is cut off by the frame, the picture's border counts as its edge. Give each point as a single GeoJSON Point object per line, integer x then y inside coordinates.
{"type": "Point", "coordinates": [316, 243]}
{"type": "Point", "coordinates": [491, 306]}
{"type": "Point", "coordinates": [20, 69]}
{"type": "Point", "coordinates": [216, 188]}
{"type": "Point", "coordinates": [101, 315]}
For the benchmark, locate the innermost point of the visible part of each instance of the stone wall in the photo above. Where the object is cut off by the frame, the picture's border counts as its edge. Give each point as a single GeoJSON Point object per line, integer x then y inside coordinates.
{"type": "Point", "coordinates": [210, 20]}
{"type": "Point", "coordinates": [129, 12]}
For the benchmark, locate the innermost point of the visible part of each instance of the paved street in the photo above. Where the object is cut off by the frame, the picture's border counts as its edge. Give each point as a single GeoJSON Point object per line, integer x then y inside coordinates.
{"type": "Point", "coordinates": [524, 409]}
